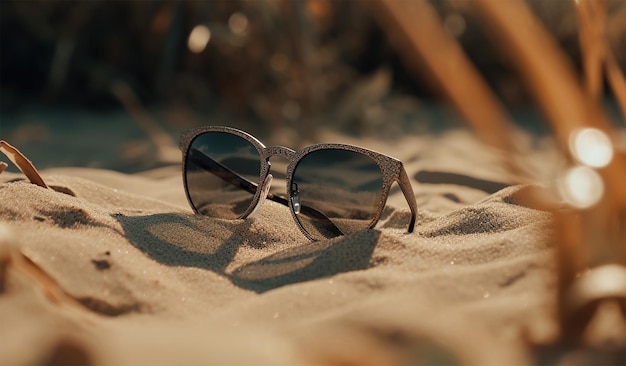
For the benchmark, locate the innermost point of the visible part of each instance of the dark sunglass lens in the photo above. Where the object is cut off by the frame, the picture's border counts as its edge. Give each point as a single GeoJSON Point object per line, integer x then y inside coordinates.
{"type": "Point", "coordinates": [222, 174]}
{"type": "Point", "coordinates": [338, 192]}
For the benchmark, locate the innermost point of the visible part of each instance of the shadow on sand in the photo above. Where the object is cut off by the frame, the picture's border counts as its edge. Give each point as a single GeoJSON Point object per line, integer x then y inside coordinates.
{"type": "Point", "coordinates": [187, 240]}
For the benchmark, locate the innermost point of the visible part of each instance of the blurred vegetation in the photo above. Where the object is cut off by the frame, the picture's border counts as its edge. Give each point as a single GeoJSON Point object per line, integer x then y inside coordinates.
{"type": "Point", "coordinates": [264, 65]}
{"type": "Point", "coordinates": [283, 69]}
{"type": "Point", "coordinates": [275, 60]}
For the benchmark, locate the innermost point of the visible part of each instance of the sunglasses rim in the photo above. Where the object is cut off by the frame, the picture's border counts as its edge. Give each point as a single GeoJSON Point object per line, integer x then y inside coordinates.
{"type": "Point", "coordinates": [392, 170]}
{"type": "Point", "coordinates": [387, 165]}
{"type": "Point", "coordinates": [189, 136]}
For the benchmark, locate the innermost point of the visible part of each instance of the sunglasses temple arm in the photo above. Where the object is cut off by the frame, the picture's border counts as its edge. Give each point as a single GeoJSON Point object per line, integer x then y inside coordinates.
{"type": "Point", "coordinates": [407, 190]}
{"type": "Point", "coordinates": [221, 171]}
{"type": "Point", "coordinates": [215, 167]}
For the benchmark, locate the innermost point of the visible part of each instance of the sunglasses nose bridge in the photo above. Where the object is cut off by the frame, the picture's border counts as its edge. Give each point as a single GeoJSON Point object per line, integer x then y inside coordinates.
{"type": "Point", "coordinates": [295, 198]}
{"type": "Point", "coordinates": [282, 151]}
{"type": "Point", "coordinates": [279, 151]}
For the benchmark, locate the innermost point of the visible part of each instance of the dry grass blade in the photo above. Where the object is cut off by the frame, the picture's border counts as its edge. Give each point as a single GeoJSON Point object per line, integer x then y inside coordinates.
{"type": "Point", "coordinates": [551, 78]}
{"type": "Point", "coordinates": [616, 26]}
{"type": "Point", "coordinates": [592, 16]}
{"type": "Point", "coordinates": [12, 258]}
{"type": "Point", "coordinates": [3, 166]}
{"type": "Point", "coordinates": [52, 290]}
{"type": "Point", "coordinates": [586, 238]}
{"type": "Point", "coordinates": [617, 82]}
{"type": "Point", "coordinates": [166, 148]}
{"type": "Point", "coordinates": [22, 163]}
{"type": "Point", "coordinates": [425, 44]}
{"type": "Point", "coordinates": [596, 51]}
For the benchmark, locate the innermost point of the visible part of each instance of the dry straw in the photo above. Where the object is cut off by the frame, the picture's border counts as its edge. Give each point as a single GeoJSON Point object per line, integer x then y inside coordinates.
{"type": "Point", "coordinates": [591, 239]}
{"type": "Point", "coordinates": [22, 163]}
{"type": "Point", "coordinates": [430, 51]}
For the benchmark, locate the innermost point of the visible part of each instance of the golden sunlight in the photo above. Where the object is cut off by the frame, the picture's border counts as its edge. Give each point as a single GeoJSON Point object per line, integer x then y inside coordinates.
{"type": "Point", "coordinates": [591, 147]}
{"type": "Point", "coordinates": [238, 23]}
{"type": "Point", "coordinates": [581, 187]}
{"type": "Point", "coordinates": [198, 38]}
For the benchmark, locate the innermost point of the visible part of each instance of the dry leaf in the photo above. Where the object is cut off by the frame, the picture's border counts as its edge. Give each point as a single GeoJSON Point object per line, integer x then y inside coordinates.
{"type": "Point", "coordinates": [22, 163]}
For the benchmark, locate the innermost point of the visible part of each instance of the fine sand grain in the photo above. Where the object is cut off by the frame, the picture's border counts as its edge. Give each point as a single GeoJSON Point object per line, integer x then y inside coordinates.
{"type": "Point", "coordinates": [121, 272]}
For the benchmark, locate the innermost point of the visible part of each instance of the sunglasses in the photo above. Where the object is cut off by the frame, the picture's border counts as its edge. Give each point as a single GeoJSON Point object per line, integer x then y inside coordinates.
{"type": "Point", "coordinates": [332, 189]}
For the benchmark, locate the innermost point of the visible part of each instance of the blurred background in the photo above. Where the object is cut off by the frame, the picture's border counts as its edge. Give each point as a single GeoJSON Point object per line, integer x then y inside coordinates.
{"type": "Point", "coordinates": [101, 83]}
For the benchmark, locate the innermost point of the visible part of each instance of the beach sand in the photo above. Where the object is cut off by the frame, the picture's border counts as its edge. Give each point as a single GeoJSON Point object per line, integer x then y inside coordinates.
{"type": "Point", "coordinates": [123, 273]}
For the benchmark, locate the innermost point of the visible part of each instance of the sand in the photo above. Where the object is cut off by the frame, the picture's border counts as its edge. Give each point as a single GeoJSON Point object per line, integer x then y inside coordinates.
{"type": "Point", "coordinates": [123, 273]}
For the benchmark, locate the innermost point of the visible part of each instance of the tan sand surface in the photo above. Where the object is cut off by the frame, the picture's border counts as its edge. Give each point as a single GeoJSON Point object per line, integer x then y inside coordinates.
{"type": "Point", "coordinates": [123, 273]}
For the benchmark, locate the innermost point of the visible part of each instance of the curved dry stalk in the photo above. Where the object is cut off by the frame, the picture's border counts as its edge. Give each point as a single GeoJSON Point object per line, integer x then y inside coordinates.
{"type": "Point", "coordinates": [51, 288]}
{"type": "Point", "coordinates": [22, 163]}
{"type": "Point", "coordinates": [11, 258]}
{"type": "Point", "coordinates": [596, 51]}
{"type": "Point", "coordinates": [3, 166]}
{"type": "Point", "coordinates": [585, 238]}
{"type": "Point", "coordinates": [430, 51]}
{"type": "Point", "coordinates": [167, 149]}
{"type": "Point", "coordinates": [616, 81]}
{"type": "Point", "coordinates": [616, 25]}
{"type": "Point", "coordinates": [592, 17]}
{"type": "Point", "coordinates": [550, 76]}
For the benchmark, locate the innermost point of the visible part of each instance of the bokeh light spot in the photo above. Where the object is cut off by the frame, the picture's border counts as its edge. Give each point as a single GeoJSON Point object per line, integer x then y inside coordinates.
{"type": "Point", "coordinates": [581, 187]}
{"type": "Point", "coordinates": [455, 24]}
{"type": "Point", "coordinates": [279, 62]}
{"type": "Point", "coordinates": [591, 147]}
{"type": "Point", "coordinates": [198, 38]}
{"type": "Point", "coordinates": [291, 110]}
{"type": "Point", "coordinates": [238, 23]}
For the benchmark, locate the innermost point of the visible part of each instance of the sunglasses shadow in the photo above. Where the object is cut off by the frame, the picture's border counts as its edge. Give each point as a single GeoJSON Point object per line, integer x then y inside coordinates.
{"type": "Point", "coordinates": [192, 241]}
{"type": "Point", "coordinates": [308, 262]}
{"type": "Point", "coordinates": [435, 177]}
{"type": "Point", "coordinates": [185, 239]}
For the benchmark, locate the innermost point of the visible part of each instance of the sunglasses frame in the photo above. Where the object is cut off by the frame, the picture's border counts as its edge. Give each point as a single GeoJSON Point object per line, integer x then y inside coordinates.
{"type": "Point", "coordinates": [392, 170]}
